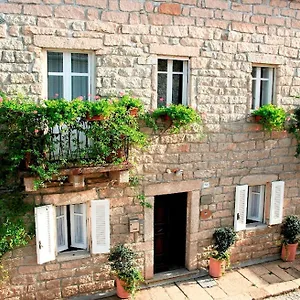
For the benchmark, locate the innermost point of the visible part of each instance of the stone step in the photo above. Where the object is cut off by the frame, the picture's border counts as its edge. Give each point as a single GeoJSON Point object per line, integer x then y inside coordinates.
{"type": "Point", "coordinates": [173, 276]}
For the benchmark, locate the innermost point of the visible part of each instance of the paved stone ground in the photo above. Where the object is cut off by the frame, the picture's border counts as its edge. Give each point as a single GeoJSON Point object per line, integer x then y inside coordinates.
{"type": "Point", "coordinates": [289, 296]}
{"type": "Point", "coordinates": [253, 282]}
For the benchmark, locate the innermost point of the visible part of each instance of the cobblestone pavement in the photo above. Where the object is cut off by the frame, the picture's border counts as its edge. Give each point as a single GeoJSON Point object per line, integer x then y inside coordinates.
{"type": "Point", "coordinates": [290, 296]}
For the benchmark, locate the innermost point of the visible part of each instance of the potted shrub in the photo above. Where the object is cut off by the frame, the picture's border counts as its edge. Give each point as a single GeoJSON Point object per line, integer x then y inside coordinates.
{"type": "Point", "coordinates": [271, 117]}
{"type": "Point", "coordinates": [98, 110]}
{"type": "Point", "coordinates": [124, 266]}
{"type": "Point", "coordinates": [290, 231]}
{"type": "Point", "coordinates": [179, 115]}
{"type": "Point", "coordinates": [220, 258]}
{"type": "Point", "coordinates": [133, 105]}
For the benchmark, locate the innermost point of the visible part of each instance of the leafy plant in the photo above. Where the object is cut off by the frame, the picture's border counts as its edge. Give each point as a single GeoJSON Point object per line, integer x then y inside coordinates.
{"type": "Point", "coordinates": [291, 229]}
{"type": "Point", "coordinates": [130, 102]}
{"type": "Point", "coordinates": [181, 116]}
{"type": "Point", "coordinates": [143, 202]}
{"type": "Point", "coordinates": [271, 117]}
{"type": "Point", "coordinates": [123, 264]}
{"type": "Point", "coordinates": [224, 238]}
{"type": "Point", "coordinates": [100, 107]}
{"type": "Point", "coordinates": [293, 127]}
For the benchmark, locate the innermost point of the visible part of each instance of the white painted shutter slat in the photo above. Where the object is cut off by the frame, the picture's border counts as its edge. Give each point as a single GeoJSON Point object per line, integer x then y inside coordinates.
{"type": "Point", "coordinates": [45, 237]}
{"type": "Point", "coordinates": [100, 226]}
{"type": "Point", "coordinates": [61, 228]}
{"type": "Point", "coordinates": [240, 213]}
{"type": "Point", "coordinates": [277, 198]}
{"type": "Point", "coordinates": [78, 226]}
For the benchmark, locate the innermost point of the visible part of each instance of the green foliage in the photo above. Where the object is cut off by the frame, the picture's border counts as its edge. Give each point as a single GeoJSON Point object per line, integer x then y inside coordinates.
{"type": "Point", "coordinates": [293, 127]}
{"type": "Point", "coordinates": [27, 132]}
{"type": "Point", "coordinates": [181, 116]}
{"type": "Point", "coordinates": [143, 202]}
{"type": "Point", "coordinates": [224, 238]}
{"type": "Point", "coordinates": [291, 229]}
{"type": "Point", "coordinates": [123, 264]}
{"type": "Point", "coordinates": [272, 117]}
{"type": "Point", "coordinates": [16, 224]}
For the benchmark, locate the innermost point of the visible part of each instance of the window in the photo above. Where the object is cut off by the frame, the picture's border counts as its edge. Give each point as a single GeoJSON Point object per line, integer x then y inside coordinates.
{"type": "Point", "coordinates": [256, 199]}
{"type": "Point", "coordinates": [252, 206]}
{"type": "Point", "coordinates": [63, 228]}
{"type": "Point", "coordinates": [262, 86]}
{"type": "Point", "coordinates": [71, 227]}
{"type": "Point", "coordinates": [69, 75]}
{"type": "Point", "coordinates": [172, 82]}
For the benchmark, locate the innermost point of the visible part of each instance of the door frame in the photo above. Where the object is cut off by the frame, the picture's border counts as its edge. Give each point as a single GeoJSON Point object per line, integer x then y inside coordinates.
{"type": "Point", "coordinates": [192, 188]}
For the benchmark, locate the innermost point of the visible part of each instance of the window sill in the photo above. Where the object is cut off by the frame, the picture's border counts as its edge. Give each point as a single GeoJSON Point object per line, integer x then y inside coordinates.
{"type": "Point", "coordinates": [72, 255]}
{"type": "Point", "coordinates": [257, 225]}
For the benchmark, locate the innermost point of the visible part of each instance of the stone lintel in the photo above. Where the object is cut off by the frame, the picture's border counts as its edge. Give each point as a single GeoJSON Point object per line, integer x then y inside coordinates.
{"type": "Point", "coordinates": [174, 50]}
{"type": "Point", "coordinates": [172, 187]}
{"type": "Point", "coordinates": [70, 198]}
{"type": "Point", "coordinates": [258, 179]}
{"type": "Point", "coordinates": [58, 42]}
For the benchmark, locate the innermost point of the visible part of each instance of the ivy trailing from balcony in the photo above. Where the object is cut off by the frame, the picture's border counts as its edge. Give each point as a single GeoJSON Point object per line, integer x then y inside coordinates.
{"type": "Point", "coordinates": [42, 137]}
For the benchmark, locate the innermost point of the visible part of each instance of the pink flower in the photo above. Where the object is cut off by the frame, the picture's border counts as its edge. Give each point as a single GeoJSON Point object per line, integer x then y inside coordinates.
{"type": "Point", "coordinates": [121, 94]}
{"type": "Point", "coordinates": [161, 99]}
{"type": "Point", "coordinates": [80, 98]}
{"type": "Point", "coordinates": [36, 131]}
{"type": "Point", "coordinates": [1, 99]}
{"type": "Point", "coordinates": [55, 95]}
{"type": "Point", "coordinates": [97, 97]}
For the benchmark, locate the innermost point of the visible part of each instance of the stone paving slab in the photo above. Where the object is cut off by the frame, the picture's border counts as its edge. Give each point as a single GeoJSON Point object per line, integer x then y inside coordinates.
{"type": "Point", "coordinates": [248, 283]}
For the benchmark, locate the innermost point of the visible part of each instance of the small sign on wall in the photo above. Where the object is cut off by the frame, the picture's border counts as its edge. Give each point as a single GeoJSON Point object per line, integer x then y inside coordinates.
{"type": "Point", "coordinates": [134, 225]}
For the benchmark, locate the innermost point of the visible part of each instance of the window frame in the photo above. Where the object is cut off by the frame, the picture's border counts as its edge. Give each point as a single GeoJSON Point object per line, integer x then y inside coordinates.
{"type": "Point", "coordinates": [256, 101]}
{"type": "Point", "coordinates": [170, 73]}
{"type": "Point", "coordinates": [273, 206]}
{"type": "Point", "coordinates": [67, 72]}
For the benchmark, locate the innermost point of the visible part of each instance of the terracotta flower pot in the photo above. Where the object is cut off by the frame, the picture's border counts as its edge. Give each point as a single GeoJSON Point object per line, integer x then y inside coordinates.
{"type": "Point", "coordinates": [216, 267]}
{"type": "Point", "coordinates": [133, 111]}
{"type": "Point", "coordinates": [95, 118]}
{"type": "Point", "coordinates": [257, 118]}
{"type": "Point", "coordinates": [288, 252]}
{"type": "Point", "coordinates": [121, 293]}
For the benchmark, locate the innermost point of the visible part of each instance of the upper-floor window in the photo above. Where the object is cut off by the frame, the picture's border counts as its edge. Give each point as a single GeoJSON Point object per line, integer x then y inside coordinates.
{"type": "Point", "coordinates": [262, 86]}
{"type": "Point", "coordinates": [172, 82]}
{"type": "Point", "coordinates": [69, 75]}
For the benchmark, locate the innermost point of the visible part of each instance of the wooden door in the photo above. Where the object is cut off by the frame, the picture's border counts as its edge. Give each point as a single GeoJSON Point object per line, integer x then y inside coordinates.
{"type": "Point", "coordinates": [169, 232]}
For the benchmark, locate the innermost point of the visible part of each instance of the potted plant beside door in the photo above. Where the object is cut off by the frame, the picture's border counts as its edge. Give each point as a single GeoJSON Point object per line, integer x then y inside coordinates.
{"type": "Point", "coordinates": [290, 232]}
{"type": "Point", "coordinates": [124, 266]}
{"type": "Point", "coordinates": [224, 237]}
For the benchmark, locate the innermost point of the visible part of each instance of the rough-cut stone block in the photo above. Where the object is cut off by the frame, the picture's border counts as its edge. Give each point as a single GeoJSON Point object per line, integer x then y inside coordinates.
{"type": "Point", "coordinates": [66, 43]}
{"type": "Point", "coordinates": [175, 50]}
{"type": "Point", "coordinates": [93, 3]}
{"type": "Point", "coordinates": [119, 176]}
{"type": "Point", "coordinates": [258, 179]}
{"type": "Point", "coordinates": [69, 12]}
{"type": "Point", "coordinates": [38, 10]}
{"type": "Point", "coordinates": [170, 9]}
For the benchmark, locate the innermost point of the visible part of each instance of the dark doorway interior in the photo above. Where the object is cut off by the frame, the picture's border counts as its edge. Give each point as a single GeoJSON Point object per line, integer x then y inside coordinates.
{"type": "Point", "coordinates": [169, 232]}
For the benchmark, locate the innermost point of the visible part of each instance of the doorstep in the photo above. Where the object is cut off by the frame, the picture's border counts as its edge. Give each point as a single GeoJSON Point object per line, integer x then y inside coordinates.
{"type": "Point", "coordinates": [172, 277]}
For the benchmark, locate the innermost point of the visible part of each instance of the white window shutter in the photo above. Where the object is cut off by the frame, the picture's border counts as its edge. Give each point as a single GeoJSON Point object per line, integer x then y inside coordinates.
{"type": "Point", "coordinates": [78, 226]}
{"type": "Point", "coordinates": [45, 237]}
{"type": "Point", "coordinates": [276, 207]}
{"type": "Point", "coordinates": [240, 212]}
{"type": "Point", "coordinates": [61, 228]}
{"type": "Point", "coordinates": [100, 226]}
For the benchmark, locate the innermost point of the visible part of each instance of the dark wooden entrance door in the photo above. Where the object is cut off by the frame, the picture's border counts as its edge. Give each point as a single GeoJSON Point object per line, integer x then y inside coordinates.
{"type": "Point", "coordinates": [169, 232]}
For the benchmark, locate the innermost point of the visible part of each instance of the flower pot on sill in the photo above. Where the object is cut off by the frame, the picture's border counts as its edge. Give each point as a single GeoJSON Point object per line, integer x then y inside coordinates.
{"type": "Point", "coordinates": [257, 118]}
{"type": "Point", "coordinates": [288, 252]}
{"type": "Point", "coordinates": [121, 293]}
{"type": "Point", "coordinates": [216, 267]}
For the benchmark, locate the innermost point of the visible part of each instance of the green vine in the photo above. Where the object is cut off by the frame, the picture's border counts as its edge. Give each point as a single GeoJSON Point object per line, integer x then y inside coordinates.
{"type": "Point", "coordinates": [16, 224]}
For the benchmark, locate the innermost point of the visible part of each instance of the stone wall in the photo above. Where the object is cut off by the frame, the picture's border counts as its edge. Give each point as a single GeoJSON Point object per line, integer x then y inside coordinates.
{"type": "Point", "coordinates": [222, 40]}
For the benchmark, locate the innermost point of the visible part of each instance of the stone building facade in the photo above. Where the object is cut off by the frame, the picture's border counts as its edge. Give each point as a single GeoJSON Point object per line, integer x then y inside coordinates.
{"type": "Point", "coordinates": [226, 46]}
